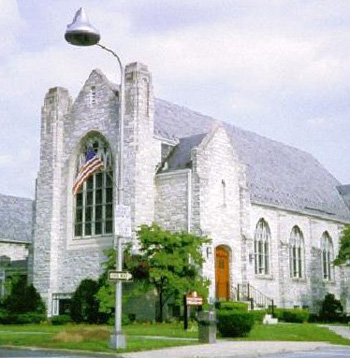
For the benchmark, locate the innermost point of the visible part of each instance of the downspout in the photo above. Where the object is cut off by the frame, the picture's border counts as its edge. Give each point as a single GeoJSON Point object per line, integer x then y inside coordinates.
{"type": "Point", "coordinates": [189, 199]}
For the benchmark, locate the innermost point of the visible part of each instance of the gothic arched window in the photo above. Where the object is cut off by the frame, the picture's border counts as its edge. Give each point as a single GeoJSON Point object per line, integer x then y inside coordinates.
{"type": "Point", "coordinates": [94, 200]}
{"type": "Point", "coordinates": [296, 253]}
{"type": "Point", "coordinates": [327, 256]}
{"type": "Point", "coordinates": [262, 239]}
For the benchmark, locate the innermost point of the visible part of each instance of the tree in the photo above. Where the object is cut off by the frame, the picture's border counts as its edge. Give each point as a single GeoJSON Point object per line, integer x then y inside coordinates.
{"type": "Point", "coordinates": [23, 298]}
{"type": "Point", "coordinates": [84, 305]}
{"type": "Point", "coordinates": [344, 248]}
{"type": "Point", "coordinates": [331, 309]}
{"type": "Point", "coordinates": [169, 262]}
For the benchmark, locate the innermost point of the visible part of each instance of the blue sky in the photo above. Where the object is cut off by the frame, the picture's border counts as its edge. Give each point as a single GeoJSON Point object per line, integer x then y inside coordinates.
{"type": "Point", "coordinates": [279, 68]}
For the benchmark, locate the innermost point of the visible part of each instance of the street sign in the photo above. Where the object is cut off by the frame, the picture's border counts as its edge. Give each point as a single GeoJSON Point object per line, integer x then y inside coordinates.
{"type": "Point", "coordinates": [192, 299]}
{"type": "Point", "coordinates": [122, 221]}
{"type": "Point", "coordinates": [119, 276]}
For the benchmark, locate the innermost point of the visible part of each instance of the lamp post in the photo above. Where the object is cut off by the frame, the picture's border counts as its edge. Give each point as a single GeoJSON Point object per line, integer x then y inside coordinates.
{"type": "Point", "coordinates": [81, 33]}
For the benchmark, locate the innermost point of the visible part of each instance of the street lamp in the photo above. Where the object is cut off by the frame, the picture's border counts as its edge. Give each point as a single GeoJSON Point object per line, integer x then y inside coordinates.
{"type": "Point", "coordinates": [81, 33]}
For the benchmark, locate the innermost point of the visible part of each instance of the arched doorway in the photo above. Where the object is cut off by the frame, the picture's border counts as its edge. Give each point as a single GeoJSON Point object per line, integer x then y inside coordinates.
{"type": "Point", "coordinates": [222, 273]}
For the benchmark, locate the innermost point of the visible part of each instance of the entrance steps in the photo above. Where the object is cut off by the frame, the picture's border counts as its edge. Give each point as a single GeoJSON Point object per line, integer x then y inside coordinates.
{"type": "Point", "coordinates": [268, 319]}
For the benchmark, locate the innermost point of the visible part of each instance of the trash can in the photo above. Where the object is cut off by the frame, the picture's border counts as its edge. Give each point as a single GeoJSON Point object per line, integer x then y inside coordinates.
{"type": "Point", "coordinates": [207, 326]}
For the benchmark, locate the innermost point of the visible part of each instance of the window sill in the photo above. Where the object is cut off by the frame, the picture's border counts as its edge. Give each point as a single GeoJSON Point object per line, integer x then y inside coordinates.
{"type": "Point", "coordinates": [299, 279]}
{"type": "Point", "coordinates": [264, 277]}
{"type": "Point", "coordinates": [329, 282]}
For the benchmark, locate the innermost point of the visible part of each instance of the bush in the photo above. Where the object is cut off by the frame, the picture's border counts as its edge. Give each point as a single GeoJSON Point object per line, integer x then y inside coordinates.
{"type": "Point", "coordinates": [23, 298]}
{"type": "Point", "coordinates": [232, 306]}
{"type": "Point", "coordinates": [84, 305]}
{"type": "Point", "coordinates": [296, 315]}
{"type": "Point", "coordinates": [331, 309]}
{"type": "Point", "coordinates": [258, 315]}
{"type": "Point", "coordinates": [234, 324]}
{"type": "Point", "coordinates": [21, 318]}
{"type": "Point", "coordinates": [292, 315]}
{"type": "Point", "coordinates": [60, 320]}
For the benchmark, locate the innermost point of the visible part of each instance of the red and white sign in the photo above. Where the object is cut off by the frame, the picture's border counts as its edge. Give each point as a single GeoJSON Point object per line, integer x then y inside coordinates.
{"type": "Point", "coordinates": [192, 299]}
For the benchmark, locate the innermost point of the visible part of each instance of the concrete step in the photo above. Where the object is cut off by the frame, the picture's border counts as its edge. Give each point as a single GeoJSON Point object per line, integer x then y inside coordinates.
{"type": "Point", "coordinates": [268, 319]}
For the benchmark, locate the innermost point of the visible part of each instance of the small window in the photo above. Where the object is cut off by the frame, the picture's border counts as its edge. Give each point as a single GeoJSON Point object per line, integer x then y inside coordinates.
{"type": "Point", "coordinates": [223, 190]}
{"type": "Point", "coordinates": [91, 97]}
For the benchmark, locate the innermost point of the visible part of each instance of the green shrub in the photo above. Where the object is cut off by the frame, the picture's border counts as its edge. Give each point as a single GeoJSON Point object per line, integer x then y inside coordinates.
{"type": "Point", "coordinates": [331, 309]}
{"type": "Point", "coordinates": [258, 315]}
{"type": "Point", "coordinates": [234, 323]}
{"type": "Point", "coordinates": [84, 305]}
{"type": "Point", "coordinates": [232, 306]}
{"type": "Point", "coordinates": [23, 298]}
{"type": "Point", "coordinates": [21, 318]}
{"type": "Point", "coordinates": [291, 315]}
{"type": "Point", "coordinates": [60, 320]}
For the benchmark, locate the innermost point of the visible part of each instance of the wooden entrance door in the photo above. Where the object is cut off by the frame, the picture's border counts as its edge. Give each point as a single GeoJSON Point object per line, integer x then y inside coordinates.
{"type": "Point", "coordinates": [222, 273]}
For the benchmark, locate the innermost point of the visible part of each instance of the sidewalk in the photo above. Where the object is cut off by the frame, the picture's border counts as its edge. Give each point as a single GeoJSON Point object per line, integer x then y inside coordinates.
{"type": "Point", "coordinates": [227, 349]}
{"type": "Point", "coordinates": [237, 349]}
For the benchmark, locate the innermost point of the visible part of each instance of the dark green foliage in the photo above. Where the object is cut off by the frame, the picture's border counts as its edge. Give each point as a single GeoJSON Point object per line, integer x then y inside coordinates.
{"type": "Point", "coordinates": [331, 309]}
{"type": "Point", "coordinates": [84, 305]}
{"type": "Point", "coordinates": [258, 315]}
{"type": "Point", "coordinates": [292, 315]}
{"type": "Point", "coordinates": [234, 323]}
{"type": "Point", "coordinates": [23, 298]}
{"type": "Point", "coordinates": [60, 320]}
{"type": "Point", "coordinates": [21, 318]}
{"type": "Point", "coordinates": [344, 248]}
{"type": "Point", "coordinates": [232, 306]}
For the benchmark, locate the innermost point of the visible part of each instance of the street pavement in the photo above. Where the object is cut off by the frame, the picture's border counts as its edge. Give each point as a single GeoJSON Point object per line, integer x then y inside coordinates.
{"type": "Point", "coordinates": [234, 349]}
{"type": "Point", "coordinates": [221, 349]}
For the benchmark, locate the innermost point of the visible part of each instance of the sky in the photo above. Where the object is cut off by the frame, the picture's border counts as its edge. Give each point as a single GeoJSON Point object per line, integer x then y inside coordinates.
{"type": "Point", "coordinates": [279, 68]}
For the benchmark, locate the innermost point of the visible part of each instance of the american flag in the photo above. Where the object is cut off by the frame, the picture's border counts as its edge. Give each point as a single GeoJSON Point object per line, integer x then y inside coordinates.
{"type": "Point", "coordinates": [92, 164]}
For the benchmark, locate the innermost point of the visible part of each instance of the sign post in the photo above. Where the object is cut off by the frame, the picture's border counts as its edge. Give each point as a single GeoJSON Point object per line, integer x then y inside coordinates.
{"type": "Point", "coordinates": [191, 299]}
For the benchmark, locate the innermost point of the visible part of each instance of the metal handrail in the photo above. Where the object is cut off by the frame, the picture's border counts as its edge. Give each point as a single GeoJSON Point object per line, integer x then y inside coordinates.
{"type": "Point", "coordinates": [247, 292]}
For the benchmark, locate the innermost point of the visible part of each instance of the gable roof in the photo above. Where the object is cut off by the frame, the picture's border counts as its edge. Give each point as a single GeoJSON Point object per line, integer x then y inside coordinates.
{"type": "Point", "coordinates": [16, 219]}
{"type": "Point", "coordinates": [277, 174]}
{"type": "Point", "coordinates": [344, 191]}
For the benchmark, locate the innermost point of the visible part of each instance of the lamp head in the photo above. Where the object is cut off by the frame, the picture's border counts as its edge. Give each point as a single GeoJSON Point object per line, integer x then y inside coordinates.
{"type": "Point", "coordinates": [80, 32]}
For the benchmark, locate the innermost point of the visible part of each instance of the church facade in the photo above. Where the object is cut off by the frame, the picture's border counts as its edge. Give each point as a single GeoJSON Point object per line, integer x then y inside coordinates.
{"type": "Point", "coordinates": [274, 214]}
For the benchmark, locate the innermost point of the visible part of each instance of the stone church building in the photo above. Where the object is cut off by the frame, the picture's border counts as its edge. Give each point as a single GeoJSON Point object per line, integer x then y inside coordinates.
{"type": "Point", "coordinates": [274, 214]}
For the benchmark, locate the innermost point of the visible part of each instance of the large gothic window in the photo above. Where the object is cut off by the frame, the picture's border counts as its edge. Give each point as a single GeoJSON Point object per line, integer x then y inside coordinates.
{"type": "Point", "coordinates": [262, 239]}
{"type": "Point", "coordinates": [296, 253]}
{"type": "Point", "coordinates": [94, 201]}
{"type": "Point", "coordinates": [327, 256]}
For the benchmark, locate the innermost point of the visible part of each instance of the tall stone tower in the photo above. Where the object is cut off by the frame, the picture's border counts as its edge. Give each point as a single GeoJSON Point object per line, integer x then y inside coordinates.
{"type": "Point", "coordinates": [48, 192]}
{"type": "Point", "coordinates": [140, 158]}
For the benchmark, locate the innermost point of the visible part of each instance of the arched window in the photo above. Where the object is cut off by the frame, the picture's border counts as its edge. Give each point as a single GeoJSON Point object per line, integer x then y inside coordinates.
{"type": "Point", "coordinates": [327, 256]}
{"type": "Point", "coordinates": [94, 201]}
{"type": "Point", "coordinates": [296, 253]}
{"type": "Point", "coordinates": [262, 248]}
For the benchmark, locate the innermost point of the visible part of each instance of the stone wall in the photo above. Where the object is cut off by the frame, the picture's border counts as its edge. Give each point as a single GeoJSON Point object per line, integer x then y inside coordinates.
{"type": "Point", "coordinates": [287, 291]}
{"type": "Point", "coordinates": [16, 251]}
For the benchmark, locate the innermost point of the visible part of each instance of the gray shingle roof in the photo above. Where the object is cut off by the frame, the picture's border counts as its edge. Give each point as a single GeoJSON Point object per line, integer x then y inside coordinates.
{"type": "Point", "coordinates": [344, 191]}
{"type": "Point", "coordinates": [277, 174]}
{"type": "Point", "coordinates": [16, 218]}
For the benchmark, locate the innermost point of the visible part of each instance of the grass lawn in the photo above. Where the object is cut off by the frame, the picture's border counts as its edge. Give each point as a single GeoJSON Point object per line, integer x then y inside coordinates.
{"type": "Point", "coordinates": [294, 332]}
{"type": "Point", "coordinates": [142, 336]}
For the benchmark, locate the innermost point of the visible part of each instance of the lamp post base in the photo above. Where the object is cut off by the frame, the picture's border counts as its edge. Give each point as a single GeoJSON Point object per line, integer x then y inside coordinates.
{"type": "Point", "coordinates": [117, 340]}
